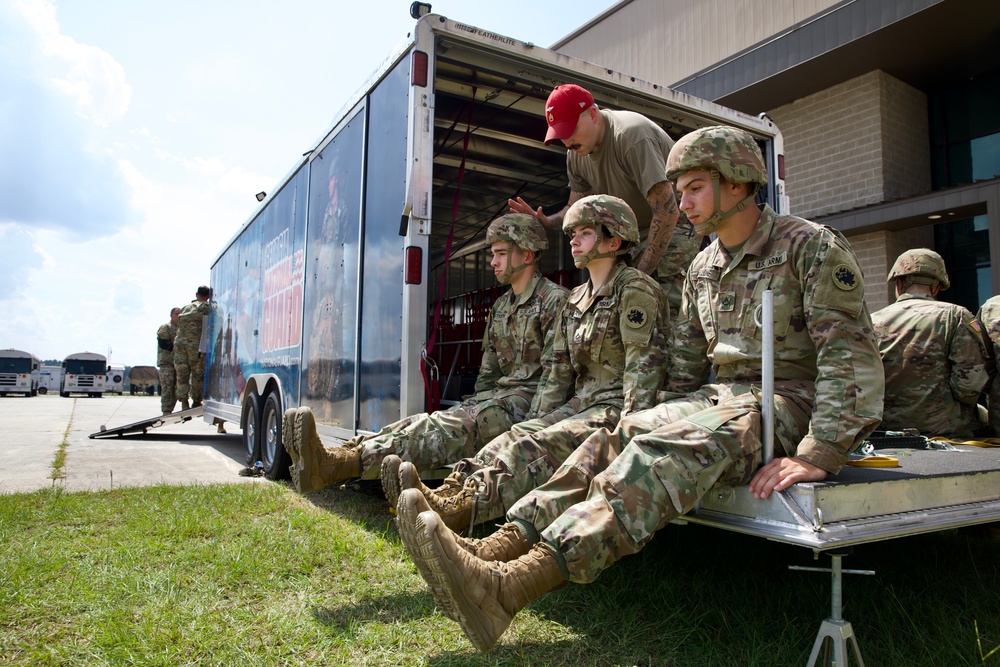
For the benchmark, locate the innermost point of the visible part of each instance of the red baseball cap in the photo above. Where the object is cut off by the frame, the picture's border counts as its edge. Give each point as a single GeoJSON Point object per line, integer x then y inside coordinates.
{"type": "Point", "coordinates": [563, 109]}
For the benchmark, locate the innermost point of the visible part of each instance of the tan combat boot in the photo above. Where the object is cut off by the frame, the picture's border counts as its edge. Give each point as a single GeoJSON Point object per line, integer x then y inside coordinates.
{"type": "Point", "coordinates": [484, 596]}
{"type": "Point", "coordinates": [390, 479]}
{"type": "Point", "coordinates": [409, 478]}
{"type": "Point", "coordinates": [313, 465]}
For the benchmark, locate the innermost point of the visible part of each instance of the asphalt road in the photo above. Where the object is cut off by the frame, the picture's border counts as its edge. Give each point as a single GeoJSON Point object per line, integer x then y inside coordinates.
{"type": "Point", "coordinates": [32, 430]}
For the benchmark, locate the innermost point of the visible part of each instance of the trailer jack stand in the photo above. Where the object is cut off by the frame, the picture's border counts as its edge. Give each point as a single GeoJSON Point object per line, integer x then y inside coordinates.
{"type": "Point", "coordinates": [835, 629]}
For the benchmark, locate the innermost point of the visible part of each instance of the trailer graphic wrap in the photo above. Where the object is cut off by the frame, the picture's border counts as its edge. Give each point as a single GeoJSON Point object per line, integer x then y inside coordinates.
{"type": "Point", "coordinates": [382, 287]}
{"type": "Point", "coordinates": [257, 294]}
{"type": "Point", "coordinates": [332, 257]}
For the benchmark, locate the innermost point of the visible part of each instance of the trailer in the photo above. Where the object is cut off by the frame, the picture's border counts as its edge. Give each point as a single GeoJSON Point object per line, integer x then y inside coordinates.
{"type": "Point", "coordinates": [19, 372]}
{"type": "Point", "coordinates": [143, 380]}
{"type": "Point", "coordinates": [116, 379]}
{"type": "Point", "coordinates": [49, 378]}
{"type": "Point", "coordinates": [360, 286]}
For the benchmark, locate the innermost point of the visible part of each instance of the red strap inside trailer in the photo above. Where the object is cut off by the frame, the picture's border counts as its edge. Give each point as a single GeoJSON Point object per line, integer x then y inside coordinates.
{"type": "Point", "coordinates": [432, 384]}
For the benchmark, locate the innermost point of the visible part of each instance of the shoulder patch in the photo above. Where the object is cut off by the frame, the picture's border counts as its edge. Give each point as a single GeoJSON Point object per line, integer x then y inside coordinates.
{"type": "Point", "coordinates": [976, 326]}
{"type": "Point", "coordinates": [635, 317]}
{"type": "Point", "coordinates": [845, 277]}
{"type": "Point", "coordinates": [638, 316]}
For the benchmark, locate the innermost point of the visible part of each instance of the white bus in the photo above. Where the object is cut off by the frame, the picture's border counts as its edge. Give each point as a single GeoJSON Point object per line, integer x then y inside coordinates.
{"type": "Point", "coordinates": [84, 373]}
{"type": "Point", "coordinates": [19, 372]}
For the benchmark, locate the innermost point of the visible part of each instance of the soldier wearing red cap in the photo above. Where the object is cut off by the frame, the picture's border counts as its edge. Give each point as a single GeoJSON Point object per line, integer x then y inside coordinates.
{"type": "Point", "coordinates": [624, 154]}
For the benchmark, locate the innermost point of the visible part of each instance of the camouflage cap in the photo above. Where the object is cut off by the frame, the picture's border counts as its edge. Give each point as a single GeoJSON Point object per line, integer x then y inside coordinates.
{"type": "Point", "coordinates": [521, 229]}
{"type": "Point", "coordinates": [923, 263]}
{"type": "Point", "coordinates": [727, 150]}
{"type": "Point", "coordinates": [606, 210]}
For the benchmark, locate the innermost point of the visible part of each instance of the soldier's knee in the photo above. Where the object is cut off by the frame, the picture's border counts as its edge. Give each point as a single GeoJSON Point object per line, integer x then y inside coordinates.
{"type": "Point", "coordinates": [492, 421]}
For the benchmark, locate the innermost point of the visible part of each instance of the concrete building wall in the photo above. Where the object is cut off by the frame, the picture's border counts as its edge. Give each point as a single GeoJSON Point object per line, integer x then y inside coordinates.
{"type": "Point", "coordinates": [696, 35]}
{"type": "Point", "coordinates": [858, 143]}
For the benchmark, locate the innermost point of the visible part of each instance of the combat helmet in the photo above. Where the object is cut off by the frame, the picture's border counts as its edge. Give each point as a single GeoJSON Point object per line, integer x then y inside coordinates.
{"type": "Point", "coordinates": [518, 229]}
{"type": "Point", "coordinates": [921, 266]}
{"type": "Point", "coordinates": [605, 211]}
{"type": "Point", "coordinates": [725, 152]}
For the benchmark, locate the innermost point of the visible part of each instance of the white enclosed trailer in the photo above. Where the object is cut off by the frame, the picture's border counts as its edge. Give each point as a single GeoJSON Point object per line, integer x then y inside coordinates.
{"type": "Point", "coordinates": [330, 295]}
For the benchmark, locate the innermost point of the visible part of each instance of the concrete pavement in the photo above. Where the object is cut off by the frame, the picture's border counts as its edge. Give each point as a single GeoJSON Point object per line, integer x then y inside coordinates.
{"type": "Point", "coordinates": [32, 429]}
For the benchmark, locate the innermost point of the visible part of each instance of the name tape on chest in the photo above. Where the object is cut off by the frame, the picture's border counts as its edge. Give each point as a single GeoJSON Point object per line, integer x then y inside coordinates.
{"type": "Point", "coordinates": [773, 260]}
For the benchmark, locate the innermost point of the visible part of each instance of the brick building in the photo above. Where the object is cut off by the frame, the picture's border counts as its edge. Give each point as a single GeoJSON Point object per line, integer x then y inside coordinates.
{"type": "Point", "coordinates": [890, 111]}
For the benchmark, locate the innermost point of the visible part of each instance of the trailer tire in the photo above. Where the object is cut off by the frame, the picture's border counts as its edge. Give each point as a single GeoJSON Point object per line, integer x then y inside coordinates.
{"type": "Point", "coordinates": [273, 456]}
{"type": "Point", "coordinates": [251, 423]}
{"type": "Point", "coordinates": [43, 390]}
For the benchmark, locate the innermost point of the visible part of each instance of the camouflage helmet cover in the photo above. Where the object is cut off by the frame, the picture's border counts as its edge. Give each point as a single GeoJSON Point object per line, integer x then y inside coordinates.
{"type": "Point", "coordinates": [728, 150]}
{"type": "Point", "coordinates": [521, 229]}
{"type": "Point", "coordinates": [923, 263]}
{"type": "Point", "coordinates": [612, 212]}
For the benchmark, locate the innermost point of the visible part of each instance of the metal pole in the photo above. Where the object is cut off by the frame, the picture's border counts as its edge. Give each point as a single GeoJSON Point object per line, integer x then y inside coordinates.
{"type": "Point", "coordinates": [767, 404]}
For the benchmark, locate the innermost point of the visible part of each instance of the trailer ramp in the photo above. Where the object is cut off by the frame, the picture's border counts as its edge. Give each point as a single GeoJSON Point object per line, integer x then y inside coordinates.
{"type": "Point", "coordinates": [146, 424]}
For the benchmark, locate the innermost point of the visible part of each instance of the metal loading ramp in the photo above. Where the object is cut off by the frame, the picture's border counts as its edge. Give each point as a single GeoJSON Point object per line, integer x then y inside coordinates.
{"type": "Point", "coordinates": [146, 424]}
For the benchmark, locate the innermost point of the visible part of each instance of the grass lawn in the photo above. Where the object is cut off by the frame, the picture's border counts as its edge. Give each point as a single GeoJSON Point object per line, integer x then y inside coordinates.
{"type": "Point", "coordinates": [254, 574]}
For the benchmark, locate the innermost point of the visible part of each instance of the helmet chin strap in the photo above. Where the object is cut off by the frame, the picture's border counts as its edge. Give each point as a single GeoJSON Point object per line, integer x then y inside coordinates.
{"type": "Point", "coordinates": [582, 261]}
{"type": "Point", "coordinates": [710, 225]}
{"type": "Point", "coordinates": [508, 273]}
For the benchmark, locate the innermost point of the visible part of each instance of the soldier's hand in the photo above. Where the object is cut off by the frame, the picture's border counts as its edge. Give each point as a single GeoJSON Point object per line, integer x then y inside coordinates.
{"type": "Point", "coordinates": [781, 473]}
{"type": "Point", "coordinates": [520, 206]}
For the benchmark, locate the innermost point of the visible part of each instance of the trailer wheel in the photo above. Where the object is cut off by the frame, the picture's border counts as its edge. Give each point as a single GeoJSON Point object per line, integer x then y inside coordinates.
{"type": "Point", "coordinates": [273, 456]}
{"type": "Point", "coordinates": [251, 420]}
{"type": "Point", "coordinates": [43, 390]}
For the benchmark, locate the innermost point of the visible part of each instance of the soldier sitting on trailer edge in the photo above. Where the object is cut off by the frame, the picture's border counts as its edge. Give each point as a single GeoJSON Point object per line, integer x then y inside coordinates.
{"type": "Point", "coordinates": [517, 334]}
{"type": "Point", "coordinates": [618, 488]}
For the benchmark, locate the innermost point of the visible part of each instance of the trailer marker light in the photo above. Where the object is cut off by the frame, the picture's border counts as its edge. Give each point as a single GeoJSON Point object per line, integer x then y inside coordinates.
{"type": "Point", "coordinates": [414, 260]}
{"type": "Point", "coordinates": [418, 76]}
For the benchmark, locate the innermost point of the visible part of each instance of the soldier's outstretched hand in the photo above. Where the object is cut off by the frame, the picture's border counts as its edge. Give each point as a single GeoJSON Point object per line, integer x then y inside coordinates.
{"type": "Point", "coordinates": [520, 206]}
{"type": "Point", "coordinates": [781, 473]}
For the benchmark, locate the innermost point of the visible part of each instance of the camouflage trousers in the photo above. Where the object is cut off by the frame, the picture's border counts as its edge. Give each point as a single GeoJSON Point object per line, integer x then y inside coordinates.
{"type": "Point", "coordinates": [190, 367]}
{"type": "Point", "coordinates": [529, 454]}
{"type": "Point", "coordinates": [434, 440]}
{"type": "Point", "coordinates": [618, 488]}
{"type": "Point", "coordinates": [168, 388]}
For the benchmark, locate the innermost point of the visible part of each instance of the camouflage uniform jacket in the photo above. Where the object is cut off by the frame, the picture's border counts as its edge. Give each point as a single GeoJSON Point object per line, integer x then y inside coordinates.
{"type": "Point", "coordinates": [989, 316]}
{"type": "Point", "coordinates": [167, 332]}
{"type": "Point", "coordinates": [609, 349]}
{"type": "Point", "coordinates": [189, 323]}
{"type": "Point", "coordinates": [518, 337]}
{"type": "Point", "coordinates": [825, 357]}
{"type": "Point", "coordinates": [927, 347]}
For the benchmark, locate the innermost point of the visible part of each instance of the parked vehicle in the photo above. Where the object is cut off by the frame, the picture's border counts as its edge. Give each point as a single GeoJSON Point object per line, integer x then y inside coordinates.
{"type": "Point", "coordinates": [143, 380]}
{"type": "Point", "coordinates": [84, 373]}
{"type": "Point", "coordinates": [19, 372]}
{"type": "Point", "coordinates": [49, 378]}
{"type": "Point", "coordinates": [116, 379]}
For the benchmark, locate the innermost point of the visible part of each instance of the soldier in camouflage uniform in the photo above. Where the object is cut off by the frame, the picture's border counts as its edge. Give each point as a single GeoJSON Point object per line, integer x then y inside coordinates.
{"type": "Point", "coordinates": [989, 317]}
{"type": "Point", "coordinates": [933, 353]}
{"type": "Point", "coordinates": [165, 362]}
{"type": "Point", "coordinates": [618, 489]}
{"type": "Point", "coordinates": [517, 334]}
{"type": "Point", "coordinates": [609, 360]}
{"type": "Point", "coordinates": [189, 361]}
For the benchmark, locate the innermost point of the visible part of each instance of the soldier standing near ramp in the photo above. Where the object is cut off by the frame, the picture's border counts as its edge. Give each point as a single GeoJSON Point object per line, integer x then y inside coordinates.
{"type": "Point", "coordinates": [617, 489]}
{"type": "Point", "coordinates": [932, 351]}
{"type": "Point", "coordinates": [517, 334]}
{"type": "Point", "coordinates": [189, 359]}
{"type": "Point", "coordinates": [165, 362]}
{"type": "Point", "coordinates": [989, 316]}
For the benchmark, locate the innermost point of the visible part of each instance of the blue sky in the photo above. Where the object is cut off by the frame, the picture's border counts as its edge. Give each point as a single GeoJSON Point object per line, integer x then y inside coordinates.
{"type": "Point", "coordinates": [133, 136]}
